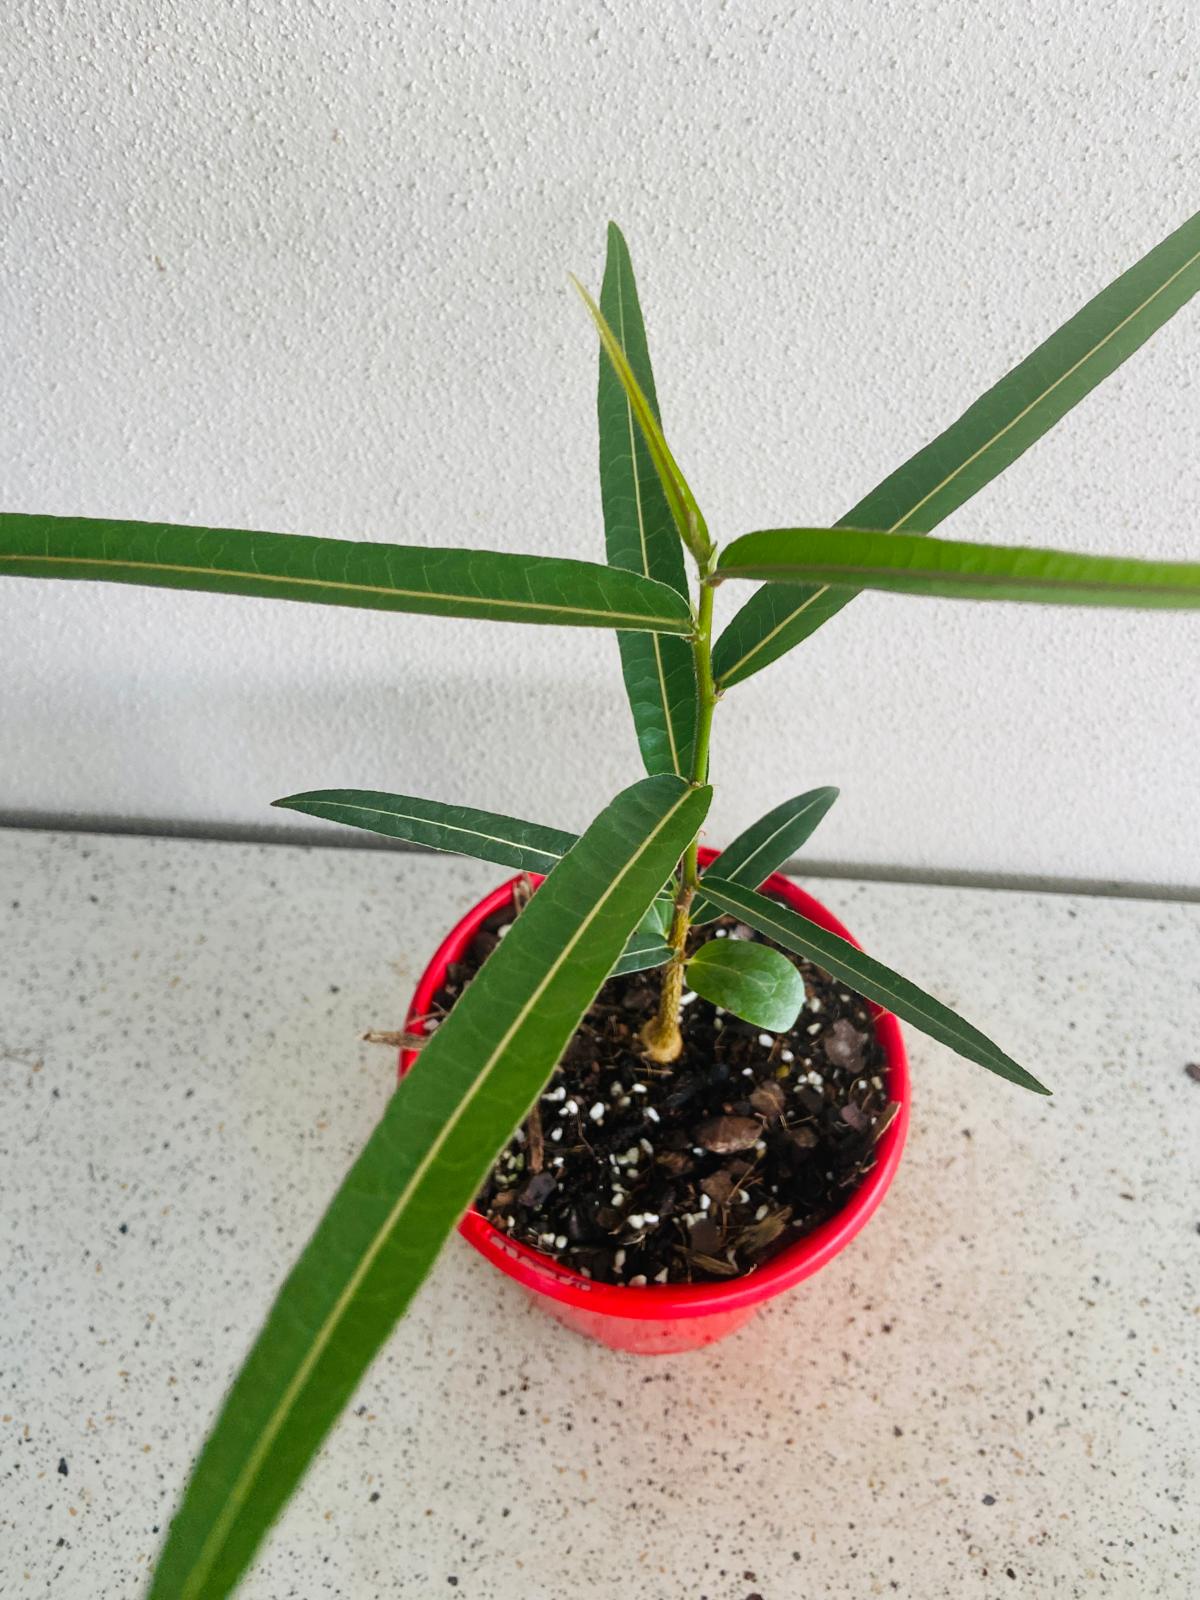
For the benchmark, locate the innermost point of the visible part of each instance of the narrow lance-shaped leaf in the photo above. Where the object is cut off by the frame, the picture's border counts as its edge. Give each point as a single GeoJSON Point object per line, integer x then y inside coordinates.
{"type": "Point", "coordinates": [766, 844]}
{"type": "Point", "coordinates": [486, 835]}
{"type": "Point", "coordinates": [688, 519]}
{"type": "Point", "coordinates": [904, 563]}
{"type": "Point", "coordinates": [419, 1171]}
{"type": "Point", "coordinates": [991, 434]}
{"type": "Point", "coordinates": [339, 572]}
{"type": "Point", "coordinates": [870, 977]}
{"type": "Point", "coordinates": [463, 830]}
{"type": "Point", "coordinates": [753, 981]}
{"type": "Point", "coordinates": [642, 951]}
{"type": "Point", "coordinates": [639, 530]}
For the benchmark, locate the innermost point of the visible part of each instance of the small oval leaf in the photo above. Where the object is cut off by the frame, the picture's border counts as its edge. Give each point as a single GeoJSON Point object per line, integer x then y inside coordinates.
{"type": "Point", "coordinates": [754, 982]}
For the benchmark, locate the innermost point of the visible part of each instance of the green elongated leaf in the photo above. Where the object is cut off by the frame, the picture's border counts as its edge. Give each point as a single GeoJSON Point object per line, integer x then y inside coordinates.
{"type": "Point", "coordinates": [462, 830]}
{"type": "Point", "coordinates": [905, 563]}
{"type": "Point", "coordinates": [640, 954]}
{"type": "Point", "coordinates": [686, 513]}
{"type": "Point", "coordinates": [766, 844]}
{"type": "Point", "coordinates": [991, 434]}
{"type": "Point", "coordinates": [870, 977]}
{"type": "Point", "coordinates": [755, 983]}
{"type": "Point", "coordinates": [418, 1172]}
{"type": "Point", "coordinates": [486, 835]}
{"type": "Point", "coordinates": [647, 945]}
{"type": "Point", "coordinates": [658, 918]}
{"type": "Point", "coordinates": [639, 531]}
{"type": "Point", "coordinates": [339, 572]}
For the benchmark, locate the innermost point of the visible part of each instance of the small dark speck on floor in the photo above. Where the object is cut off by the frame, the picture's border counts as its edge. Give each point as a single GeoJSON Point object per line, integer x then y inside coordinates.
{"type": "Point", "coordinates": [62, 1465]}
{"type": "Point", "coordinates": [989, 1499]}
{"type": "Point", "coordinates": [124, 1228]}
{"type": "Point", "coordinates": [453, 1582]}
{"type": "Point", "coordinates": [1009, 1573]}
{"type": "Point", "coordinates": [374, 1496]}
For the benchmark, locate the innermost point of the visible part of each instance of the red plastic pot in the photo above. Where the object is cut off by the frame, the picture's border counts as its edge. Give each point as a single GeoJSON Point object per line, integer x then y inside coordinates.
{"type": "Point", "coordinates": [661, 1319]}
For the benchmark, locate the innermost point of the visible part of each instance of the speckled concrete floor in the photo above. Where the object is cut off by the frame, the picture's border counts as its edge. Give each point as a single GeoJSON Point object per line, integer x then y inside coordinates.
{"type": "Point", "coordinates": [993, 1392]}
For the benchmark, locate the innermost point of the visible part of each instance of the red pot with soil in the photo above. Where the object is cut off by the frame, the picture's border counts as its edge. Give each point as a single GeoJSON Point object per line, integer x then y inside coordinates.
{"type": "Point", "coordinates": [729, 1177]}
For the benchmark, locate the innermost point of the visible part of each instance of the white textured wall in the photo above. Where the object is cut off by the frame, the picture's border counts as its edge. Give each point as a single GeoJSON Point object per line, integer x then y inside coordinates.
{"type": "Point", "coordinates": [303, 267]}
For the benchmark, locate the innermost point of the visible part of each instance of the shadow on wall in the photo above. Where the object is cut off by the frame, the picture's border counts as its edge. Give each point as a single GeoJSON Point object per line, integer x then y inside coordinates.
{"type": "Point", "coordinates": [173, 755]}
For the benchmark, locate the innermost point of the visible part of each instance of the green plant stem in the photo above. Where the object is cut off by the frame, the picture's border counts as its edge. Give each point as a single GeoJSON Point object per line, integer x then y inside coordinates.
{"type": "Point", "coordinates": [661, 1037]}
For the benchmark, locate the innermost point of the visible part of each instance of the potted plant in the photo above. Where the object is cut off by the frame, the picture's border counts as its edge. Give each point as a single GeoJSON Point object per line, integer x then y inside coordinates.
{"type": "Point", "coordinates": [737, 1032]}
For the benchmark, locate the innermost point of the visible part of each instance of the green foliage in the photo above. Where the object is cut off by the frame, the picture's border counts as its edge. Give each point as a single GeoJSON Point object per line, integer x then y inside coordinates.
{"type": "Point", "coordinates": [870, 977]}
{"type": "Point", "coordinates": [464, 831]}
{"type": "Point", "coordinates": [446, 1123]}
{"type": "Point", "coordinates": [334, 572]}
{"type": "Point", "coordinates": [767, 844]}
{"type": "Point", "coordinates": [639, 530]}
{"type": "Point", "coordinates": [904, 563]}
{"type": "Point", "coordinates": [687, 515]}
{"type": "Point", "coordinates": [989, 436]}
{"type": "Point", "coordinates": [460, 829]}
{"type": "Point", "coordinates": [751, 980]}
{"type": "Point", "coordinates": [603, 906]}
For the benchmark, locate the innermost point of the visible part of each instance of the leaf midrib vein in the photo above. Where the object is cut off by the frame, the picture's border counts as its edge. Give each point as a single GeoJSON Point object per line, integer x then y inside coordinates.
{"type": "Point", "coordinates": [449, 827]}
{"type": "Point", "coordinates": [670, 624]}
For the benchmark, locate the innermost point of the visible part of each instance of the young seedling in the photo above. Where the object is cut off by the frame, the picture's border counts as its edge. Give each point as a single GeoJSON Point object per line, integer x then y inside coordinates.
{"type": "Point", "coordinates": [623, 896]}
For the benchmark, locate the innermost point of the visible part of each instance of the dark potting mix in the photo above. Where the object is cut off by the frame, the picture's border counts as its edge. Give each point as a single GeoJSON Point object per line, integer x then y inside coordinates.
{"type": "Point", "coordinates": [632, 1173]}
